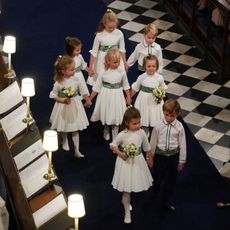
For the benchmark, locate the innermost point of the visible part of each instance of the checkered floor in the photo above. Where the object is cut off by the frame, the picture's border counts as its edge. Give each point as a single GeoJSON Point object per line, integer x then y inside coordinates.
{"type": "Point", "coordinates": [204, 99]}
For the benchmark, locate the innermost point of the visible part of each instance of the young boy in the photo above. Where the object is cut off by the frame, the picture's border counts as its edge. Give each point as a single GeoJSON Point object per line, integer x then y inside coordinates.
{"type": "Point", "coordinates": [168, 144]}
{"type": "Point", "coordinates": [147, 47]}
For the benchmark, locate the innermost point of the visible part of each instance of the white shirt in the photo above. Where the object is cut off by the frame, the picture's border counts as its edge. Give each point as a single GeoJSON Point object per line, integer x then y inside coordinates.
{"type": "Point", "coordinates": [142, 50]}
{"type": "Point", "coordinates": [169, 136]}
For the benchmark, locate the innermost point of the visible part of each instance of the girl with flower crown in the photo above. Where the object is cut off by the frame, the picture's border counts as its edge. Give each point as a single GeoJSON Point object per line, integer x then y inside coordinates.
{"type": "Point", "coordinates": [68, 114]}
{"type": "Point", "coordinates": [111, 103]}
{"type": "Point", "coordinates": [151, 88]}
{"type": "Point", "coordinates": [131, 172]}
{"type": "Point", "coordinates": [107, 36]}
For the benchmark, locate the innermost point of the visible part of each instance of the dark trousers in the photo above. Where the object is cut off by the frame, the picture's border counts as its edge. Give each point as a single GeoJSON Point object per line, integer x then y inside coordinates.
{"type": "Point", "coordinates": [165, 173]}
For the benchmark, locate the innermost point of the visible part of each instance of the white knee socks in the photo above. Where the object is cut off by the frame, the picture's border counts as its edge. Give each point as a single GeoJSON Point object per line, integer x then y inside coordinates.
{"type": "Point", "coordinates": [75, 138]}
{"type": "Point", "coordinates": [65, 143]}
{"type": "Point", "coordinates": [106, 133]}
{"type": "Point", "coordinates": [126, 203]}
{"type": "Point", "coordinates": [114, 131]}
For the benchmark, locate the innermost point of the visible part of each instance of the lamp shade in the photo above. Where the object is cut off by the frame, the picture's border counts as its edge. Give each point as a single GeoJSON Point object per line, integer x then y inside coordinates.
{"type": "Point", "coordinates": [76, 208]}
{"type": "Point", "coordinates": [50, 141]}
{"type": "Point", "coordinates": [27, 87]}
{"type": "Point", "coordinates": [9, 45]}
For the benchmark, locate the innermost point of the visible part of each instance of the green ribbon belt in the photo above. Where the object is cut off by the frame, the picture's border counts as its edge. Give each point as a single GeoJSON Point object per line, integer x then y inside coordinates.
{"type": "Point", "coordinates": [106, 48]}
{"type": "Point", "coordinates": [111, 86]}
{"type": "Point", "coordinates": [146, 89]}
{"type": "Point", "coordinates": [78, 69]}
{"type": "Point", "coordinates": [167, 152]}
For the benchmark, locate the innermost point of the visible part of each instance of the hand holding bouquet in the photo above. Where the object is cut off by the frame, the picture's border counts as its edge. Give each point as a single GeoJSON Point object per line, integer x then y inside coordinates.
{"type": "Point", "coordinates": [158, 94]}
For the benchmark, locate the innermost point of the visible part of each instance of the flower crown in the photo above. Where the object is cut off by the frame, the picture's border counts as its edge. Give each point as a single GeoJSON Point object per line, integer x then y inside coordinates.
{"type": "Point", "coordinates": [109, 11]}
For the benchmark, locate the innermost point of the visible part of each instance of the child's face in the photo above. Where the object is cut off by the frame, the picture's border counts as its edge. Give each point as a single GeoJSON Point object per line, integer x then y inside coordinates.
{"type": "Point", "coordinates": [77, 50]}
{"type": "Point", "coordinates": [110, 26]}
{"type": "Point", "coordinates": [151, 67]}
{"type": "Point", "coordinates": [114, 63]}
{"type": "Point", "coordinates": [149, 38]}
{"type": "Point", "coordinates": [170, 117]}
{"type": "Point", "coordinates": [134, 124]}
{"type": "Point", "coordinates": [70, 70]}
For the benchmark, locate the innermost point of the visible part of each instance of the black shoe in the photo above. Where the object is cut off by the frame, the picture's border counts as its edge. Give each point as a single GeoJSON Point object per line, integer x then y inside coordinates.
{"type": "Point", "coordinates": [169, 207]}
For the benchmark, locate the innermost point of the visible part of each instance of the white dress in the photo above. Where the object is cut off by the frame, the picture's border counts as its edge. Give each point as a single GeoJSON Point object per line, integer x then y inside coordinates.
{"type": "Point", "coordinates": [71, 117]}
{"type": "Point", "coordinates": [110, 104]}
{"type": "Point", "coordinates": [151, 112]}
{"type": "Point", "coordinates": [109, 40]}
{"type": "Point", "coordinates": [133, 174]}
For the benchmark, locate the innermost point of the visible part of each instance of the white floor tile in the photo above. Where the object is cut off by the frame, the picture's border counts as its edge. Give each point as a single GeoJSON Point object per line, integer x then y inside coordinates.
{"type": "Point", "coordinates": [145, 3]}
{"type": "Point", "coordinates": [206, 86]}
{"type": "Point", "coordinates": [153, 13]}
{"type": "Point", "coordinates": [196, 73]}
{"type": "Point", "coordinates": [133, 26]}
{"type": "Point", "coordinates": [120, 5]}
{"type": "Point", "coordinates": [177, 89]}
{"type": "Point", "coordinates": [208, 135]}
{"type": "Point", "coordinates": [178, 47]}
{"type": "Point", "coordinates": [169, 75]}
{"type": "Point", "coordinates": [227, 84]}
{"type": "Point", "coordinates": [224, 115]}
{"type": "Point", "coordinates": [188, 104]}
{"type": "Point", "coordinates": [137, 37]}
{"type": "Point", "coordinates": [219, 152]}
{"type": "Point", "coordinates": [166, 61]}
{"type": "Point", "coordinates": [169, 36]}
{"type": "Point", "coordinates": [217, 101]}
{"type": "Point", "coordinates": [197, 119]}
{"type": "Point", "coordinates": [163, 25]}
{"type": "Point", "coordinates": [126, 15]}
{"type": "Point", "coordinates": [187, 60]}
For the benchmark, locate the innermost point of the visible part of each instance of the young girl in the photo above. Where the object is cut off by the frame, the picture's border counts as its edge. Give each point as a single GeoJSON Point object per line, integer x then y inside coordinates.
{"type": "Point", "coordinates": [150, 105]}
{"type": "Point", "coordinates": [110, 104]}
{"type": "Point", "coordinates": [68, 114]}
{"type": "Point", "coordinates": [107, 36]}
{"type": "Point", "coordinates": [73, 49]}
{"type": "Point", "coordinates": [131, 172]}
{"type": "Point", "coordinates": [147, 47]}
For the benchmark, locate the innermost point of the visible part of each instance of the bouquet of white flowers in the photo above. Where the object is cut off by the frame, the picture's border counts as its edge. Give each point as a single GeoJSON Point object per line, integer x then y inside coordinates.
{"type": "Point", "coordinates": [68, 92]}
{"type": "Point", "coordinates": [130, 150]}
{"type": "Point", "coordinates": [158, 94]}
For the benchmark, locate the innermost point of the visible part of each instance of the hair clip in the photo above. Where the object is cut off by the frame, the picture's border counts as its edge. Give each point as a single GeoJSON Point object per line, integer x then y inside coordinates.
{"type": "Point", "coordinates": [59, 56]}
{"type": "Point", "coordinates": [129, 106]}
{"type": "Point", "coordinates": [109, 11]}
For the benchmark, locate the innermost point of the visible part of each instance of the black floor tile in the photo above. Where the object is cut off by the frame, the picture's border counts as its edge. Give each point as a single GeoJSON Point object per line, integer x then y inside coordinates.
{"type": "Point", "coordinates": [185, 40]}
{"type": "Point", "coordinates": [162, 42]}
{"type": "Point", "coordinates": [223, 92]}
{"type": "Point", "coordinates": [187, 81]}
{"type": "Point", "coordinates": [207, 110]}
{"type": "Point", "coordinates": [204, 65]}
{"type": "Point", "coordinates": [206, 146]}
{"type": "Point", "coordinates": [170, 55]}
{"type": "Point", "coordinates": [224, 142]}
{"type": "Point", "coordinates": [177, 67]}
{"type": "Point", "coordinates": [175, 29]}
{"type": "Point", "coordinates": [184, 112]}
{"type": "Point", "coordinates": [194, 52]}
{"type": "Point", "coordinates": [143, 19]}
{"type": "Point", "coordinates": [121, 22]}
{"type": "Point", "coordinates": [173, 96]}
{"type": "Point", "coordinates": [218, 125]}
{"type": "Point", "coordinates": [136, 9]}
{"type": "Point", "coordinates": [193, 128]}
{"type": "Point", "coordinates": [167, 17]}
{"type": "Point", "coordinates": [127, 33]}
{"type": "Point", "coordinates": [196, 95]}
{"type": "Point", "coordinates": [216, 79]}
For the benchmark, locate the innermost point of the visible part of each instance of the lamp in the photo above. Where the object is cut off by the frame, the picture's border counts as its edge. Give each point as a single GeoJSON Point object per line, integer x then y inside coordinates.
{"type": "Point", "coordinates": [27, 90]}
{"type": "Point", "coordinates": [50, 144]}
{"type": "Point", "coordinates": [9, 46]}
{"type": "Point", "coordinates": [76, 208]}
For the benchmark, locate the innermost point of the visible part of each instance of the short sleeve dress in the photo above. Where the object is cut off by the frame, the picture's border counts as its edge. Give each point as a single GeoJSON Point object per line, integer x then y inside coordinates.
{"type": "Point", "coordinates": [133, 174]}
{"type": "Point", "coordinates": [71, 117]}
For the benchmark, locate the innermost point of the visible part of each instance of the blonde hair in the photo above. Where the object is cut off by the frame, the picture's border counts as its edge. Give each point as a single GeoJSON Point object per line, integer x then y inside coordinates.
{"type": "Point", "coordinates": [150, 57]}
{"type": "Point", "coordinates": [108, 16]}
{"type": "Point", "coordinates": [171, 106]}
{"type": "Point", "coordinates": [112, 54]}
{"type": "Point", "coordinates": [151, 28]}
{"type": "Point", "coordinates": [60, 66]}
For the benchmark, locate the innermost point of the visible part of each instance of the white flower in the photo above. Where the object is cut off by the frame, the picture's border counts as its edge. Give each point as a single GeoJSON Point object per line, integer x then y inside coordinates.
{"type": "Point", "coordinates": [130, 150]}
{"type": "Point", "coordinates": [158, 93]}
{"type": "Point", "coordinates": [68, 92]}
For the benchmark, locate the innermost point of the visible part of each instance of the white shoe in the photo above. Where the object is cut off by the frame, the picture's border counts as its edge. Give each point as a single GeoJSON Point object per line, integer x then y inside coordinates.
{"type": "Point", "coordinates": [130, 207]}
{"type": "Point", "coordinates": [127, 219]}
{"type": "Point", "coordinates": [78, 155]}
{"type": "Point", "coordinates": [65, 146]}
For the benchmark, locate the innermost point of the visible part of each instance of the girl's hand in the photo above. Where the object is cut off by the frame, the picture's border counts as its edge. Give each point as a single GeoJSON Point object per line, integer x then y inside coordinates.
{"type": "Point", "coordinates": [90, 71]}
{"type": "Point", "coordinates": [123, 156]}
{"type": "Point", "coordinates": [150, 162]}
{"type": "Point", "coordinates": [88, 104]}
{"type": "Point", "coordinates": [66, 101]}
{"type": "Point", "coordinates": [126, 67]}
{"type": "Point", "coordinates": [128, 100]}
{"type": "Point", "coordinates": [180, 166]}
